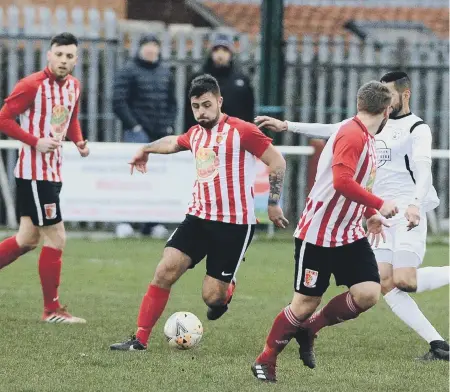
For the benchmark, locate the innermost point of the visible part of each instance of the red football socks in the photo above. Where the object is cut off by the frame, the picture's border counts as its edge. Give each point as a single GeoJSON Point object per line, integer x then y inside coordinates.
{"type": "Point", "coordinates": [10, 251]}
{"type": "Point", "coordinates": [341, 308]}
{"type": "Point", "coordinates": [50, 273]}
{"type": "Point", "coordinates": [152, 306]}
{"type": "Point", "coordinates": [283, 330]}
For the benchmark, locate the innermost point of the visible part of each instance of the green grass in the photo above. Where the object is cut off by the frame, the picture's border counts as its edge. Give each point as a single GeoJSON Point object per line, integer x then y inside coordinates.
{"type": "Point", "coordinates": [104, 282]}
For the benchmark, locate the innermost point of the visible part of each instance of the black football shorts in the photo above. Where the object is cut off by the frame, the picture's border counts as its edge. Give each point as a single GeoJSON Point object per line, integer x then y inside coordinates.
{"type": "Point", "coordinates": [39, 200]}
{"type": "Point", "coordinates": [223, 244]}
{"type": "Point", "coordinates": [350, 264]}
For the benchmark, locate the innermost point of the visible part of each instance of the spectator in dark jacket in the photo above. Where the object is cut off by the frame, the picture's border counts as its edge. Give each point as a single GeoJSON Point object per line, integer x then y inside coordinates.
{"type": "Point", "coordinates": [144, 100]}
{"type": "Point", "coordinates": [235, 86]}
{"type": "Point", "coordinates": [144, 96]}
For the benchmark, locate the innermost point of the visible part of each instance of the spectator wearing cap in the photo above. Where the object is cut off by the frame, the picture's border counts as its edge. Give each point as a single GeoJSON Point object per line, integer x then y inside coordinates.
{"type": "Point", "coordinates": [235, 86]}
{"type": "Point", "coordinates": [144, 100]}
{"type": "Point", "coordinates": [144, 95]}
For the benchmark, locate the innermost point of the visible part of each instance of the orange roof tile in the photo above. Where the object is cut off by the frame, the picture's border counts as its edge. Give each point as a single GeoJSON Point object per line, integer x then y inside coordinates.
{"type": "Point", "coordinates": [328, 20]}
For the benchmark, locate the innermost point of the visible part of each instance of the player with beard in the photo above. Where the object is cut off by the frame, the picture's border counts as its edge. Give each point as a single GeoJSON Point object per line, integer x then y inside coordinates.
{"type": "Point", "coordinates": [220, 219]}
{"type": "Point", "coordinates": [329, 238]}
{"type": "Point", "coordinates": [47, 103]}
{"type": "Point", "coordinates": [403, 174]}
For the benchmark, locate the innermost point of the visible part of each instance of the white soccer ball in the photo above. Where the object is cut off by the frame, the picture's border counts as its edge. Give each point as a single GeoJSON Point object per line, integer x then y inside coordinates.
{"type": "Point", "coordinates": [183, 330]}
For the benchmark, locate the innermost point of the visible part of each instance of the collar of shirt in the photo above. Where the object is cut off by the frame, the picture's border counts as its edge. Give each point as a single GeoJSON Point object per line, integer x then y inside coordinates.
{"type": "Point", "coordinates": [362, 126]}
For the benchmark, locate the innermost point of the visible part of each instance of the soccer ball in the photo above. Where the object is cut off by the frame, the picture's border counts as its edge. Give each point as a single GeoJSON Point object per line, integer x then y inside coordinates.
{"type": "Point", "coordinates": [183, 330]}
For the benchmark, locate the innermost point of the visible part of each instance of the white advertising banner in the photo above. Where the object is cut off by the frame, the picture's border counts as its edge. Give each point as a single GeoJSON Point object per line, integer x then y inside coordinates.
{"type": "Point", "coordinates": [99, 188]}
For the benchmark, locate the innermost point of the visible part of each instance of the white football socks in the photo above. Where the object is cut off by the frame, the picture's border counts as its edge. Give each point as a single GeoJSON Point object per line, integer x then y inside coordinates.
{"type": "Point", "coordinates": [430, 278]}
{"type": "Point", "coordinates": [408, 311]}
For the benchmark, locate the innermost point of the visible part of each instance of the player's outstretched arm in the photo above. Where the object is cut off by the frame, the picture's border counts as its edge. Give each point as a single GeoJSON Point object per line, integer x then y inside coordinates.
{"type": "Point", "coordinates": [165, 145]}
{"type": "Point", "coordinates": [277, 170]}
{"type": "Point", "coordinates": [316, 130]}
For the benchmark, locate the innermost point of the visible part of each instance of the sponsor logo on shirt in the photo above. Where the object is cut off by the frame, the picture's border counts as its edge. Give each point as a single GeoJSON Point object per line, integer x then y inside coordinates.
{"type": "Point", "coordinates": [59, 120]}
{"type": "Point", "coordinates": [383, 153]}
{"type": "Point", "coordinates": [207, 164]}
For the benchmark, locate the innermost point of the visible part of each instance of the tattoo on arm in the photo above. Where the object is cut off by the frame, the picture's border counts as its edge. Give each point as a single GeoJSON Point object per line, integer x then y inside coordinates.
{"type": "Point", "coordinates": [178, 148]}
{"type": "Point", "coordinates": [276, 179]}
{"type": "Point", "coordinates": [165, 145]}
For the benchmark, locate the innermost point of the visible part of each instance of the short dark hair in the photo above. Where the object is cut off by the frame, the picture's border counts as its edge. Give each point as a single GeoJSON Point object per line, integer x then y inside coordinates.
{"type": "Point", "coordinates": [373, 97]}
{"type": "Point", "coordinates": [64, 39]}
{"type": "Point", "coordinates": [204, 84]}
{"type": "Point", "coordinates": [401, 80]}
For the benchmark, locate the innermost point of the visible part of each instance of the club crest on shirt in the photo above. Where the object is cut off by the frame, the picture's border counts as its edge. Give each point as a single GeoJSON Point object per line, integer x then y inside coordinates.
{"type": "Point", "coordinates": [310, 278]}
{"type": "Point", "coordinates": [50, 211]}
{"type": "Point", "coordinates": [59, 120]}
{"type": "Point", "coordinates": [207, 164]}
{"type": "Point", "coordinates": [221, 137]}
{"type": "Point", "coordinates": [396, 135]}
{"type": "Point", "coordinates": [71, 96]}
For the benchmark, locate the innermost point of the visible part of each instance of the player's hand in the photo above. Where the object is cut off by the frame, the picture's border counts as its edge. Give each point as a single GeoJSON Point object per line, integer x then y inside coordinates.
{"type": "Point", "coordinates": [272, 124]}
{"type": "Point", "coordinates": [375, 230]}
{"type": "Point", "coordinates": [389, 209]}
{"type": "Point", "coordinates": [276, 216]}
{"type": "Point", "coordinates": [412, 214]}
{"type": "Point", "coordinates": [83, 149]}
{"type": "Point", "coordinates": [139, 161]}
{"type": "Point", "coordinates": [47, 144]}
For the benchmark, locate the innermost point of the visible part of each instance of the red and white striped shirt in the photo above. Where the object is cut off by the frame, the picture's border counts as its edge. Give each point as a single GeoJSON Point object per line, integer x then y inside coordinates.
{"type": "Point", "coordinates": [225, 158]}
{"type": "Point", "coordinates": [47, 107]}
{"type": "Point", "coordinates": [331, 218]}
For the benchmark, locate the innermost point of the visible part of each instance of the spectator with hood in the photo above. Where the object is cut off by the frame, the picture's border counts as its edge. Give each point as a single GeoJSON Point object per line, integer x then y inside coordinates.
{"type": "Point", "coordinates": [237, 92]}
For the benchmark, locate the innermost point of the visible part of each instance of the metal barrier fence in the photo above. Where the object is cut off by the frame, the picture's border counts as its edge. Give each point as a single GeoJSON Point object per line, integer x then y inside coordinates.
{"type": "Point", "coordinates": [321, 75]}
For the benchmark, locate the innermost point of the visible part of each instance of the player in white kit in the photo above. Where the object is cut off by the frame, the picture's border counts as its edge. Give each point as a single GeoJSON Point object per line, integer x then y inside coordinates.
{"type": "Point", "coordinates": [404, 175]}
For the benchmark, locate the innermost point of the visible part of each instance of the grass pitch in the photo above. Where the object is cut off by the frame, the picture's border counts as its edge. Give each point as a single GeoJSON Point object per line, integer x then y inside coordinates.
{"type": "Point", "coordinates": [104, 282]}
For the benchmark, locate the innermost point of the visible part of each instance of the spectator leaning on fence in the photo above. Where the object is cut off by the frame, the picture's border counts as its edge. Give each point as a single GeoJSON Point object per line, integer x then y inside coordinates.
{"type": "Point", "coordinates": [144, 98]}
{"type": "Point", "coordinates": [234, 85]}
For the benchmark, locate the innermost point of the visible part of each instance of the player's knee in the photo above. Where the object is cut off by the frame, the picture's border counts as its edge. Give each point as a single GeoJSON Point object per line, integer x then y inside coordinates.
{"type": "Point", "coordinates": [57, 240]}
{"type": "Point", "coordinates": [367, 300]}
{"type": "Point", "coordinates": [405, 282]}
{"type": "Point", "coordinates": [173, 264]}
{"type": "Point", "coordinates": [28, 241]}
{"type": "Point", "coordinates": [387, 284]}
{"type": "Point", "coordinates": [367, 295]}
{"type": "Point", "coordinates": [304, 306]}
{"type": "Point", "coordinates": [166, 274]}
{"type": "Point", "coordinates": [164, 278]}
{"type": "Point", "coordinates": [214, 298]}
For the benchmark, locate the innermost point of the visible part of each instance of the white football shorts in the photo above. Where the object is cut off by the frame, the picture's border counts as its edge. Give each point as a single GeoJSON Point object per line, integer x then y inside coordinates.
{"type": "Point", "coordinates": [399, 239]}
